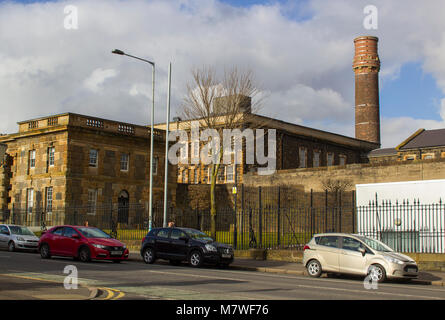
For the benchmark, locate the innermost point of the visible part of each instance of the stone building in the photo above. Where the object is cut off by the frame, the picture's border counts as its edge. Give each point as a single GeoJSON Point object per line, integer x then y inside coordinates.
{"type": "Point", "coordinates": [303, 147]}
{"type": "Point", "coordinates": [72, 160]}
{"type": "Point", "coordinates": [421, 145]}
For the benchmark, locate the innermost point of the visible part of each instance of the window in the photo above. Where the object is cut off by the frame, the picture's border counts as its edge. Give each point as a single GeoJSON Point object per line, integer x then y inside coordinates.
{"type": "Point", "coordinates": [30, 200]}
{"type": "Point", "coordinates": [49, 199]}
{"type": "Point", "coordinates": [92, 200]}
{"type": "Point", "coordinates": [302, 156]}
{"type": "Point", "coordinates": [221, 173]}
{"type": "Point", "coordinates": [352, 244]}
{"type": "Point", "coordinates": [342, 160]}
{"type": "Point", "coordinates": [330, 159]}
{"type": "Point", "coordinates": [155, 165]}
{"type": "Point", "coordinates": [205, 174]}
{"type": "Point", "coordinates": [58, 231]}
{"type": "Point", "coordinates": [32, 158]}
{"type": "Point", "coordinates": [93, 157]}
{"type": "Point", "coordinates": [410, 157]}
{"type": "Point", "coordinates": [230, 173]}
{"type": "Point", "coordinates": [195, 149]}
{"type": "Point", "coordinates": [163, 233]}
{"type": "Point", "coordinates": [124, 161]}
{"type": "Point", "coordinates": [69, 232]}
{"type": "Point", "coordinates": [328, 241]}
{"type": "Point", "coordinates": [428, 156]}
{"type": "Point", "coordinates": [51, 151]}
{"type": "Point", "coordinates": [184, 175]}
{"type": "Point", "coordinates": [196, 177]}
{"type": "Point", "coordinates": [176, 234]}
{"type": "Point", "coordinates": [316, 159]}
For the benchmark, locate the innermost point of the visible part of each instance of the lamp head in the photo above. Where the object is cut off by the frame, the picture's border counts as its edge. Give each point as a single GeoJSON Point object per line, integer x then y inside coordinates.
{"type": "Point", "coordinates": [117, 51]}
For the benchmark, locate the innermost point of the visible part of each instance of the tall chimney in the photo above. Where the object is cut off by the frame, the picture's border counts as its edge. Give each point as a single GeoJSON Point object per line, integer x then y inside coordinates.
{"type": "Point", "coordinates": [366, 67]}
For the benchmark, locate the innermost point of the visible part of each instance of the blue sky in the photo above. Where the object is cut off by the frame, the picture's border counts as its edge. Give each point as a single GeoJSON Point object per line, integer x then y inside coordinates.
{"type": "Point", "coordinates": [301, 52]}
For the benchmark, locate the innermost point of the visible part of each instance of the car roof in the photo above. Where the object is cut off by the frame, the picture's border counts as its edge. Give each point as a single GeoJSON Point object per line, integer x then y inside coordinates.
{"type": "Point", "coordinates": [337, 234]}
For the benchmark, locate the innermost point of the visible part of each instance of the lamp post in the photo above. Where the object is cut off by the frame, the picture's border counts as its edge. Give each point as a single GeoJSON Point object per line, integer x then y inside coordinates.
{"type": "Point", "coordinates": [150, 208]}
{"type": "Point", "coordinates": [166, 145]}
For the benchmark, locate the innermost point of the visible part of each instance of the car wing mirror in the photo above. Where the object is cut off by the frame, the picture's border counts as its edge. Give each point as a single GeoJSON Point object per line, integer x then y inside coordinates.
{"type": "Point", "coordinates": [362, 251]}
{"type": "Point", "coordinates": [75, 236]}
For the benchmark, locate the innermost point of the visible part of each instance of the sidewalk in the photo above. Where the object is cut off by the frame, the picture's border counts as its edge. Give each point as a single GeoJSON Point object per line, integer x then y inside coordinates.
{"type": "Point", "coordinates": [283, 267]}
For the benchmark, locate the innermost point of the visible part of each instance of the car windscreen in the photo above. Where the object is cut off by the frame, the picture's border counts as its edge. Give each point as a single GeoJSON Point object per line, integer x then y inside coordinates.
{"type": "Point", "coordinates": [196, 234]}
{"type": "Point", "coordinates": [21, 231]}
{"type": "Point", "coordinates": [93, 233]}
{"type": "Point", "coordinates": [375, 244]}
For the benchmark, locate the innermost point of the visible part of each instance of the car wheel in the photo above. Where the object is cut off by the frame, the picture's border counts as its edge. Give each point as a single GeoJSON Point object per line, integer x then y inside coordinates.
{"type": "Point", "coordinates": [314, 268]}
{"type": "Point", "coordinates": [11, 246]}
{"type": "Point", "coordinates": [149, 256]}
{"type": "Point", "coordinates": [377, 273]}
{"type": "Point", "coordinates": [84, 254]}
{"type": "Point", "coordinates": [195, 259]}
{"type": "Point", "coordinates": [175, 262]}
{"type": "Point", "coordinates": [44, 251]}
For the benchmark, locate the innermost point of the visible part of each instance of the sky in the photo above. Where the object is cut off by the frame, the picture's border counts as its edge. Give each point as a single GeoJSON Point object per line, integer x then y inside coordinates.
{"type": "Point", "coordinates": [300, 53]}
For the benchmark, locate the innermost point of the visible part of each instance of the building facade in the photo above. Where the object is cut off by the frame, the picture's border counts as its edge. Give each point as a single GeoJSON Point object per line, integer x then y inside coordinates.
{"type": "Point", "coordinates": [70, 161]}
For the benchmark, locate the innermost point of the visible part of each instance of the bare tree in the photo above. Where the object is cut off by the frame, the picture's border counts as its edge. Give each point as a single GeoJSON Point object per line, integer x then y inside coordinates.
{"type": "Point", "coordinates": [219, 103]}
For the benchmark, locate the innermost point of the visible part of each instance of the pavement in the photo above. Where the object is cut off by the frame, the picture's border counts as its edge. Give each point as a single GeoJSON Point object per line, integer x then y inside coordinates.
{"type": "Point", "coordinates": [435, 278]}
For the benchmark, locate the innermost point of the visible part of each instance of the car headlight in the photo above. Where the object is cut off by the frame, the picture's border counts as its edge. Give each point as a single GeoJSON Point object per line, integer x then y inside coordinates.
{"type": "Point", "coordinates": [393, 260]}
{"type": "Point", "coordinates": [20, 239]}
{"type": "Point", "coordinates": [98, 246]}
{"type": "Point", "coordinates": [210, 248]}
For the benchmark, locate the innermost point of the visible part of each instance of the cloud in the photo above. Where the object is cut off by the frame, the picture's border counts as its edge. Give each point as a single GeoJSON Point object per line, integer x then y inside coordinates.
{"type": "Point", "coordinates": [97, 78]}
{"type": "Point", "coordinates": [301, 56]}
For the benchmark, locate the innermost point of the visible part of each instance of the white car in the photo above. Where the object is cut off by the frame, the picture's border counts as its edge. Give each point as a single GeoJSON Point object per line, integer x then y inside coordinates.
{"type": "Point", "coordinates": [356, 254]}
{"type": "Point", "coordinates": [15, 237]}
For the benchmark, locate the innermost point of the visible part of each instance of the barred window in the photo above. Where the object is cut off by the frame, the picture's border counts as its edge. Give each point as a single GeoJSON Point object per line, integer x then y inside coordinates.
{"type": "Point", "coordinates": [124, 161]}
{"type": "Point", "coordinates": [316, 159]}
{"type": "Point", "coordinates": [49, 199]}
{"type": "Point", "coordinates": [33, 124]}
{"type": "Point", "coordinates": [95, 123]}
{"type": "Point", "coordinates": [32, 158]}
{"type": "Point", "coordinates": [330, 159]}
{"type": "Point", "coordinates": [29, 200]}
{"type": "Point", "coordinates": [53, 121]}
{"type": "Point", "coordinates": [302, 156]}
{"type": "Point", "coordinates": [51, 151]}
{"type": "Point", "coordinates": [230, 173]}
{"type": "Point", "coordinates": [93, 157]}
{"type": "Point", "coordinates": [92, 200]}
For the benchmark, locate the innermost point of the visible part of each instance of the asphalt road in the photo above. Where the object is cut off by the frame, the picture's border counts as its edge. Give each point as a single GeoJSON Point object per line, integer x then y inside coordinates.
{"type": "Point", "coordinates": [27, 276]}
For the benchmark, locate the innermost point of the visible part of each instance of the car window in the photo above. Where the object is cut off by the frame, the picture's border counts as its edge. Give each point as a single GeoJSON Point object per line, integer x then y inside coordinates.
{"type": "Point", "coordinates": [163, 233]}
{"type": "Point", "coordinates": [58, 231]}
{"type": "Point", "coordinates": [176, 234]}
{"type": "Point", "coordinates": [352, 244]}
{"type": "Point", "coordinates": [68, 232]}
{"type": "Point", "coordinates": [3, 229]}
{"type": "Point", "coordinates": [329, 241]}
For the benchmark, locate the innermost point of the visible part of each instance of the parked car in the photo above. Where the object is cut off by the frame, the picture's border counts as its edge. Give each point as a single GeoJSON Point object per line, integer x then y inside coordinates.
{"type": "Point", "coordinates": [356, 254]}
{"type": "Point", "coordinates": [16, 237]}
{"type": "Point", "coordinates": [83, 243]}
{"type": "Point", "coordinates": [184, 244]}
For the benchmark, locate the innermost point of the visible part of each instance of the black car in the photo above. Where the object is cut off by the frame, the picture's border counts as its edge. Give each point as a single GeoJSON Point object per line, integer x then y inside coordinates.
{"type": "Point", "coordinates": [184, 244]}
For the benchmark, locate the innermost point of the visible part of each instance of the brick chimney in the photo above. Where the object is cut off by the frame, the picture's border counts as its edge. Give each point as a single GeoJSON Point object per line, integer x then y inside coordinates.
{"type": "Point", "coordinates": [366, 67]}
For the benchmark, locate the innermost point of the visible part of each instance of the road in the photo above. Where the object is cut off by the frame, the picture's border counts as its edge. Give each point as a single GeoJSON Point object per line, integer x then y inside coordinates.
{"type": "Point", "coordinates": [136, 280]}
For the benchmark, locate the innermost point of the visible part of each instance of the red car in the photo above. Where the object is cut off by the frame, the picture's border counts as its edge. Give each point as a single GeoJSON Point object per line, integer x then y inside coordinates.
{"type": "Point", "coordinates": [83, 243]}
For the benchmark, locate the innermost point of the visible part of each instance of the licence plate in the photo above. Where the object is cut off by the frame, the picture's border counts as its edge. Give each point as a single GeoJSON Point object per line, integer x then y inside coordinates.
{"type": "Point", "coordinates": [116, 253]}
{"type": "Point", "coordinates": [411, 270]}
{"type": "Point", "coordinates": [226, 255]}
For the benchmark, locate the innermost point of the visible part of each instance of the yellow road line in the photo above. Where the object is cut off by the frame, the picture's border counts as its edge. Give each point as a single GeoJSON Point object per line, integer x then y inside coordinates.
{"type": "Point", "coordinates": [29, 278]}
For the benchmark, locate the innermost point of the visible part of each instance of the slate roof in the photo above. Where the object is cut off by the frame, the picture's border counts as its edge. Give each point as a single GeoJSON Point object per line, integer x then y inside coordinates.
{"type": "Point", "coordinates": [425, 139]}
{"type": "Point", "coordinates": [383, 152]}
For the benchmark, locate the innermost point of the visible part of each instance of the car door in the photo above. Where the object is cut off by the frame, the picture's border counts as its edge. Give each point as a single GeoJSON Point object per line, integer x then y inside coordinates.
{"type": "Point", "coordinates": [178, 246]}
{"type": "Point", "coordinates": [328, 248]}
{"type": "Point", "coordinates": [54, 241]}
{"type": "Point", "coordinates": [68, 244]}
{"type": "Point", "coordinates": [351, 259]}
{"type": "Point", "coordinates": [4, 236]}
{"type": "Point", "coordinates": [162, 243]}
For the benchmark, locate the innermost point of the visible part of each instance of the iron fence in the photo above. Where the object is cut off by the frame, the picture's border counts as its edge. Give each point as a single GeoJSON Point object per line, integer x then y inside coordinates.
{"type": "Point", "coordinates": [405, 226]}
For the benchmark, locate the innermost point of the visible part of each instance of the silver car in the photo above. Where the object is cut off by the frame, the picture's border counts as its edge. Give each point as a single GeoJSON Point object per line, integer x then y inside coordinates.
{"type": "Point", "coordinates": [15, 237]}
{"type": "Point", "coordinates": [356, 254]}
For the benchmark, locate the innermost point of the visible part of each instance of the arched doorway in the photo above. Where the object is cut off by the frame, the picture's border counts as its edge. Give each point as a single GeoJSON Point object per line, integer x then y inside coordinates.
{"type": "Point", "coordinates": [123, 207]}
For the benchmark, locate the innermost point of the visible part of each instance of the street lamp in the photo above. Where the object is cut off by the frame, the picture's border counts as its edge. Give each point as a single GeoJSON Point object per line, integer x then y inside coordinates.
{"type": "Point", "coordinates": [150, 208]}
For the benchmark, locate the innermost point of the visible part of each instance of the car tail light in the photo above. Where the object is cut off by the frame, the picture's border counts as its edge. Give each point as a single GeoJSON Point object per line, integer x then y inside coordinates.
{"type": "Point", "coordinates": [306, 247]}
{"type": "Point", "coordinates": [143, 239]}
